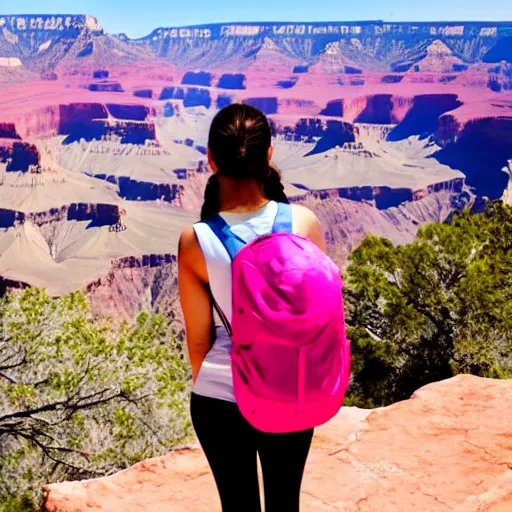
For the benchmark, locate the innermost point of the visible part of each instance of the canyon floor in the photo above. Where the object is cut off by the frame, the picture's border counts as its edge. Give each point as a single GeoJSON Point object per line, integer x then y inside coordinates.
{"type": "Point", "coordinates": [448, 448]}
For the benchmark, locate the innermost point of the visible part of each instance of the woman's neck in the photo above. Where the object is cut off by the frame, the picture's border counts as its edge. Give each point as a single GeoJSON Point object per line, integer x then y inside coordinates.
{"type": "Point", "coordinates": [240, 196]}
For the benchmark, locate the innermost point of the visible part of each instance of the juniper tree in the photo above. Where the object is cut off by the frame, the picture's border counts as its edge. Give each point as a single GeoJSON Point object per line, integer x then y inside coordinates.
{"type": "Point", "coordinates": [431, 309]}
{"type": "Point", "coordinates": [82, 397]}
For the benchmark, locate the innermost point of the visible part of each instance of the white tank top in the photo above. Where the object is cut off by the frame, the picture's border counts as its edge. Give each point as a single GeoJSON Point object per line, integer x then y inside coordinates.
{"type": "Point", "coordinates": [215, 379]}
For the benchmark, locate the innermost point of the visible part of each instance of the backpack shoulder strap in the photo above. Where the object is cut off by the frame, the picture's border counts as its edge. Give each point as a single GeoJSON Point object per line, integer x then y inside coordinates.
{"type": "Point", "coordinates": [232, 242]}
{"type": "Point", "coordinates": [283, 220]}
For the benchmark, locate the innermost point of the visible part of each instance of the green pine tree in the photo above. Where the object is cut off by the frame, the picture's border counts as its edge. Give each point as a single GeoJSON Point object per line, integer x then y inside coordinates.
{"type": "Point", "coordinates": [432, 309]}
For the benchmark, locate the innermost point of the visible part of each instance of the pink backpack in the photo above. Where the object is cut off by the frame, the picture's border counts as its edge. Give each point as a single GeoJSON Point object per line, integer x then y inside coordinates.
{"type": "Point", "coordinates": [290, 356]}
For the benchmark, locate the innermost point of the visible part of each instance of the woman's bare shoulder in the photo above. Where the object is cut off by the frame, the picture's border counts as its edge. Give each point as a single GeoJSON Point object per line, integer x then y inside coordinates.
{"type": "Point", "coordinates": [308, 225]}
{"type": "Point", "coordinates": [188, 244]}
{"type": "Point", "coordinates": [303, 213]}
{"type": "Point", "coordinates": [190, 254]}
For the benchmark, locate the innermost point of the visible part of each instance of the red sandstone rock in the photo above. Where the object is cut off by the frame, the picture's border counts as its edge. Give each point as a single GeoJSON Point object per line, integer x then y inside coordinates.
{"type": "Point", "coordinates": [448, 448]}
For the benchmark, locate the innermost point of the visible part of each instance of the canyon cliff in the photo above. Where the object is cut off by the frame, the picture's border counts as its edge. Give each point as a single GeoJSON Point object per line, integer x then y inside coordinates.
{"type": "Point", "coordinates": [44, 42]}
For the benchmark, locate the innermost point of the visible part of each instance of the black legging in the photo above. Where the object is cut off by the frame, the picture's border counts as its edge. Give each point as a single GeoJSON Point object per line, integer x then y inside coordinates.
{"type": "Point", "coordinates": [230, 444]}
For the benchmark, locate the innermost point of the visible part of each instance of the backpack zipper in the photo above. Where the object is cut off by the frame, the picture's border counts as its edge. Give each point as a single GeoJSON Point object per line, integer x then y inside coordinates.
{"type": "Point", "coordinates": [301, 384]}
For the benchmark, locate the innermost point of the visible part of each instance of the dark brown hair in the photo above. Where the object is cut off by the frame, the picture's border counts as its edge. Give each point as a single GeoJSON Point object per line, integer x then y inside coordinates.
{"type": "Point", "coordinates": [239, 139]}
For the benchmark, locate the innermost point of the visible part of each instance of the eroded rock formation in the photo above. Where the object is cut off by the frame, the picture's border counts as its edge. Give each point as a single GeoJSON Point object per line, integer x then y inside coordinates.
{"type": "Point", "coordinates": [20, 156]}
{"type": "Point", "coordinates": [480, 148]}
{"type": "Point", "coordinates": [98, 214]}
{"type": "Point", "coordinates": [8, 131]}
{"type": "Point", "coordinates": [135, 283]}
{"type": "Point", "coordinates": [507, 195]}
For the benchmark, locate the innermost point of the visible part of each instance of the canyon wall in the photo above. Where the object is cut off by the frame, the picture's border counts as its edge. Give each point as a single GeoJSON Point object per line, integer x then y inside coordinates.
{"type": "Point", "coordinates": [375, 44]}
{"type": "Point", "coordinates": [19, 156]}
{"type": "Point", "coordinates": [87, 120]}
{"type": "Point", "coordinates": [43, 41]}
{"type": "Point", "coordinates": [97, 214]}
{"type": "Point", "coordinates": [136, 283]}
{"type": "Point", "coordinates": [480, 148]}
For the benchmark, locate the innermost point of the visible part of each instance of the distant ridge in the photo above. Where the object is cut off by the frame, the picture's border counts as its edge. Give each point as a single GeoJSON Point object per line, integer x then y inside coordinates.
{"type": "Point", "coordinates": [64, 42]}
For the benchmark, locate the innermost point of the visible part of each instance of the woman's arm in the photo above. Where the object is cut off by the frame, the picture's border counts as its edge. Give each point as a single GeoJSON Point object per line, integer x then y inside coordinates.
{"type": "Point", "coordinates": [195, 299]}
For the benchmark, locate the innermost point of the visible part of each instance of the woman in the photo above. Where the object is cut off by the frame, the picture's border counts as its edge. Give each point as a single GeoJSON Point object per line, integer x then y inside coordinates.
{"type": "Point", "coordinates": [244, 189]}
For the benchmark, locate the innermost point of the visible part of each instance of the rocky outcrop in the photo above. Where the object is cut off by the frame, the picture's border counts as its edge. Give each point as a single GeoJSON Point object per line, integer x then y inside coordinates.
{"type": "Point", "coordinates": [266, 105]}
{"type": "Point", "coordinates": [507, 195]}
{"type": "Point", "coordinates": [8, 284]}
{"type": "Point", "coordinates": [447, 448]}
{"type": "Point", "coordinates": [298, 106]}
{"type": "Point", "coordinates": [223, 100]}
{"type": "Point", "coordinates": [232, 81]}
{"type": "Point", "coordinates": [128, 112]}
{"type": "Point", "coordinates": [105, 86]}
{"type": "Point", "coordinates": [475, 148]}
{"type": "Point", "coordinates": [97, 214]}
{"type": "Point", "coordinates": [8, 131]}
{"type": "Point", "coordinates": [455, 186]}
{"type": "Point", "coordinates": [136, 283]}
{"type": "Point", "coordinates": [81, 118]}
{"type": "Point", "coordinates": [137, 190]}
{"type": "Point", "coordinates": [146, 191]}
{"type": "Point", "coordinates": [500, 77]}
{"type": "Point", "coordinates": [378, 110]}
{"type": "Point", "coordinates": [143, 93]}
{"type": "Point", "coordinates": [439, 58]}
{"type": "Point", "coordinates": [331, 131]}
{"type": "Point", "coordinates": [195, 97]}
{"type": "Point", "coordinates": [370, 109]}
{"type": "Point", "coordinates": [413, 114]}
{"type": "Point", "coordinates": [10, 218]}
{"type": "Point", "coordinates": [336, 134]}
{"type": "Point", "coordinates": [197, 78]}
{"type": "Point", "coordinates": [145, 261]}
{"type": "Point", "coordinates": [191, 96]}
{"type": "Point", "coordinates": [385, 197]}
{"type": "Point", "coordinates": [77, 114]}
{"type": "Point", "coordinates": [126, 132]}
{"type": "Point", "coordinates": [423, 116]}
{"type": "Point", "coordinates": [21, 157]}
{"type": "Point", "coordinates": [172, 93]}
{"type": "Point", "coordinates": [447, 131]}
{"type": "Point", "coordinates": [100, 74]}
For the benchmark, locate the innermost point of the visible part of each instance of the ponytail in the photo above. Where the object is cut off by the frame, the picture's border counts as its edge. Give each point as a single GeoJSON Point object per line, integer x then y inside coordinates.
{"type": "Point", "coordinates": [211, 205]}
{"type": "Point", "coordinates": [273, 187]}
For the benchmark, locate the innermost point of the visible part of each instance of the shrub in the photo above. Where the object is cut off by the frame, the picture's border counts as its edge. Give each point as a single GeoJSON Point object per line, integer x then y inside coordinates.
{"type": "Point", "coordinates": [80, 397]}
{"type": "Point", "coordinates": [432, 309]}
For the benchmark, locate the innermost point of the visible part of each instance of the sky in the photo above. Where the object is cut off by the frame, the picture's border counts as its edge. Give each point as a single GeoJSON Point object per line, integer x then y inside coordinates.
{"type": "Point", "coordinates": [138, 18]}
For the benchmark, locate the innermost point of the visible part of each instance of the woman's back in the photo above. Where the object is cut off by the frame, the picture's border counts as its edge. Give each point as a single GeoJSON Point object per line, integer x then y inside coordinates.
{"type": "Point", "coordinates": [215, 377]}
{"type": "Point", "coordinates": [246, 225]}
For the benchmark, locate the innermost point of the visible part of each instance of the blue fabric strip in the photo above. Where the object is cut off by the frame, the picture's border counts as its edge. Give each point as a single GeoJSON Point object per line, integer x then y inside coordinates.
{"type": "Point", "coordinates": [283, 222]}
{"type": "Point", "coordinates": [229, 240]}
